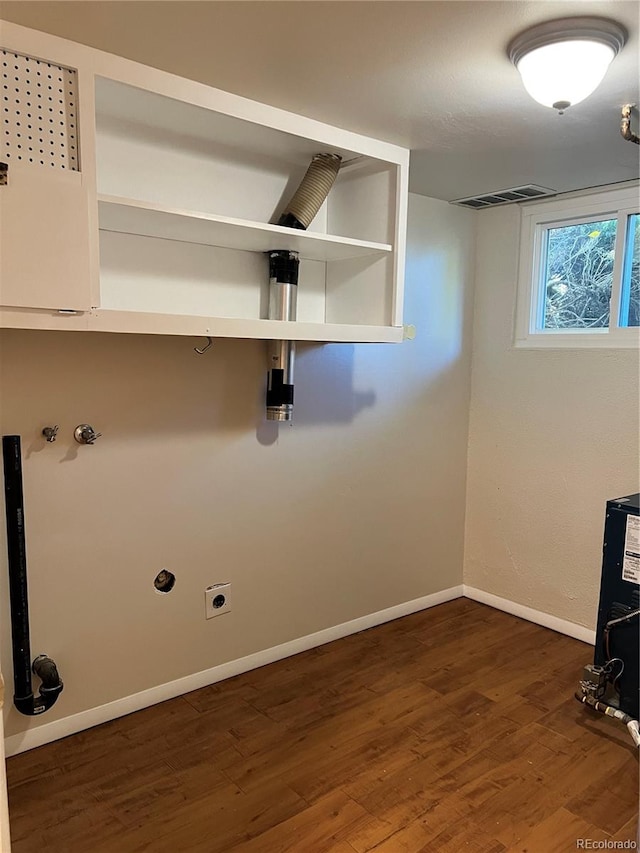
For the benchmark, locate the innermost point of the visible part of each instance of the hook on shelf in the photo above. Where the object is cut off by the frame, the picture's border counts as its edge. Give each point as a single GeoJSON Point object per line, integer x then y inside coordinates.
{"type": "Point", "coordinates": [205, 348]}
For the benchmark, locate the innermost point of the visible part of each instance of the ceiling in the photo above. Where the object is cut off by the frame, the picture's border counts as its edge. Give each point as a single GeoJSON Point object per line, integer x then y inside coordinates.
{"type": "Point", "coordinates": [432, 76]}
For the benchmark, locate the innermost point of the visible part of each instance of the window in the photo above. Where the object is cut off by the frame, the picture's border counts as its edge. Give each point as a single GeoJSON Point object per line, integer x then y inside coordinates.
{"type": "Point", "coordinates": [580, 272]}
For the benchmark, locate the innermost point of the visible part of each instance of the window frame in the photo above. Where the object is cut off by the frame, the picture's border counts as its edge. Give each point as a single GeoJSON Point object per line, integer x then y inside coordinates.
{"type": "Point", "coordinates": [536, 219]}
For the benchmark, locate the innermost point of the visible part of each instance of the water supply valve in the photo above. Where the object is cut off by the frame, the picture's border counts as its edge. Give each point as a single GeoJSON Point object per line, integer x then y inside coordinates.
{"type": "Point", "coordinates": [50, 432]}
{"type": "Point", "coordinates": [85, 434]}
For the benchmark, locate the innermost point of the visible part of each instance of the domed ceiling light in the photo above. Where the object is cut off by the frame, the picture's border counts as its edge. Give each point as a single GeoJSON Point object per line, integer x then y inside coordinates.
{"type": "Point", "coordinates": [562, 62]}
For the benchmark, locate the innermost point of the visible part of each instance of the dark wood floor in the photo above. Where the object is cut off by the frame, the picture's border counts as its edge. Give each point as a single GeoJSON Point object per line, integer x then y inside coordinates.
{"type": "Point", "coordinates": [450, 730]}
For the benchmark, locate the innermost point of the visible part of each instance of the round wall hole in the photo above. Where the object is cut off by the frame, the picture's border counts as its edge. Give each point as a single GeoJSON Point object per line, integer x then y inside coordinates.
{"type": "Point", "coordinates": [164, 581]}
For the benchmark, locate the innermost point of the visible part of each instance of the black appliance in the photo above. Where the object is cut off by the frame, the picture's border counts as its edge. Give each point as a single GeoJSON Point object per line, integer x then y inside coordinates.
{"type": "Point", "coordinates": [618, 629]}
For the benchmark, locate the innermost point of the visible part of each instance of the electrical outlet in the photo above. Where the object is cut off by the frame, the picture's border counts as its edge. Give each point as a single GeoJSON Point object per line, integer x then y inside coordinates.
{"type": "Point", "coordinates": [217, 600]}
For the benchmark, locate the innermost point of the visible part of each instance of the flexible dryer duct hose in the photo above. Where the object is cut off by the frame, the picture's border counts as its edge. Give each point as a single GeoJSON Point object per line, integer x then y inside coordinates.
{"type": "Point", "coordinates": [311, 193]}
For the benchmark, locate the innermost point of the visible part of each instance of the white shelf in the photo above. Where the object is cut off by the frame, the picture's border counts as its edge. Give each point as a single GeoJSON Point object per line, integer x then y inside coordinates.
{"type": "Point", "coordinates": [138, 95]}
{"type": "Point", "coordinates": [151, 323]}
{"type": "Point", "coordinates": [135, 322]}
{"type": "Point", "coordinates": [144, 219]}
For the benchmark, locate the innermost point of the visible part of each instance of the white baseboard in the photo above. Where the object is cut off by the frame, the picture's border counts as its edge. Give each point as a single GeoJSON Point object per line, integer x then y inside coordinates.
{"type": "Point", "coordinates": [94, 716]}
{"type": "Point", "coordinates": [562, 626]}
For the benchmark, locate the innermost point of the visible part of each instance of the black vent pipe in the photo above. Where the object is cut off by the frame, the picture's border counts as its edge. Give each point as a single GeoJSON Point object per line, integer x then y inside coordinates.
{"type": "Point", "coordinates": [42, 666]}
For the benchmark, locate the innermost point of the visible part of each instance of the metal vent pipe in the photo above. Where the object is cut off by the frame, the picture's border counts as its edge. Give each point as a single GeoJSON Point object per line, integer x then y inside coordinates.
{"type": "Point", "coordinates": [283, 281]}
{"type": "Point", "coordinates": [283, 296]}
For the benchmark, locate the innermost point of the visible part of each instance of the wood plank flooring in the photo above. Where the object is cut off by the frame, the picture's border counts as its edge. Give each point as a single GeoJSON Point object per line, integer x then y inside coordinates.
{"type": "Point", "coordinates": [450, 730]}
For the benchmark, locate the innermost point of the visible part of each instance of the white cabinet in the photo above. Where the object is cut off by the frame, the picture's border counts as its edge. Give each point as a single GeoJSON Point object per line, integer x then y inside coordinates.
{"type": "Point", "coordinates": [44, 206]}
{"type": "Point", "coordinates": [165, 227]}
{"type": "Point", "coordinates": [44, 239]}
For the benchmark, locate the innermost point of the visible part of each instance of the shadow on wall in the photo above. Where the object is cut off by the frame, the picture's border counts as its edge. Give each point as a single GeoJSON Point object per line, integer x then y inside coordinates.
{"type": "Point", "coordinates": [324, 390]}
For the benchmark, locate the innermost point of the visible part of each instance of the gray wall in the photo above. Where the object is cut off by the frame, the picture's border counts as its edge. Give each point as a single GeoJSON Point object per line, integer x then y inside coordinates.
{"type": "Point", "coordinates": [357, 507]}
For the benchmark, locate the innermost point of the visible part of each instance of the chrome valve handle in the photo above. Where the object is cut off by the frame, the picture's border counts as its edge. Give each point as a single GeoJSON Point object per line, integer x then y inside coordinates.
{"type": "Point", "coordinates": [85, 434]}
{"type": "Point", "coordinates": [50, 433]}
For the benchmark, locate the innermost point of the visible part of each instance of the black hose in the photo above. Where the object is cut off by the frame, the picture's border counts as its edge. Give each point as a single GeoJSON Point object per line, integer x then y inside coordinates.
{"type": "Point", "coordinates": [43, 666]}
{"type": "Point", "coordinates": [614, 623]}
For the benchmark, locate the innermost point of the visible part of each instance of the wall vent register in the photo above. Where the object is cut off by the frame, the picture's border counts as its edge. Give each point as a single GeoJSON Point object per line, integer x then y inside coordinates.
{"type": "Point", "coordinates": [39, 112]}
{"type": "Point", "coordinates": [508, 196]}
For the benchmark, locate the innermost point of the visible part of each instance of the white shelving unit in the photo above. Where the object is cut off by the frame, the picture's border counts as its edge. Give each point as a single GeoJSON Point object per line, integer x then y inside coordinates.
{"type": "Point", "coordinates": [164, 226]}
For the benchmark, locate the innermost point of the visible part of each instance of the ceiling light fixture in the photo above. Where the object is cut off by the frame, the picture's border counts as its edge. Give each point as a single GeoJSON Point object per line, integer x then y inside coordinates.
{"type": "Point", "coordinates": [562, 62]}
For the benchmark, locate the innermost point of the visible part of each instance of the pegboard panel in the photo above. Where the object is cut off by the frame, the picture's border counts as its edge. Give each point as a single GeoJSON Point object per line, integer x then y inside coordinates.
{"type": "Point", "coordinates": [39, 115]}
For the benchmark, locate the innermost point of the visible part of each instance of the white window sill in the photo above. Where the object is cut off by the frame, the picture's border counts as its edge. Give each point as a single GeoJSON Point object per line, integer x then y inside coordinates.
{"type": "Point", "coordinates": [619, 339]}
